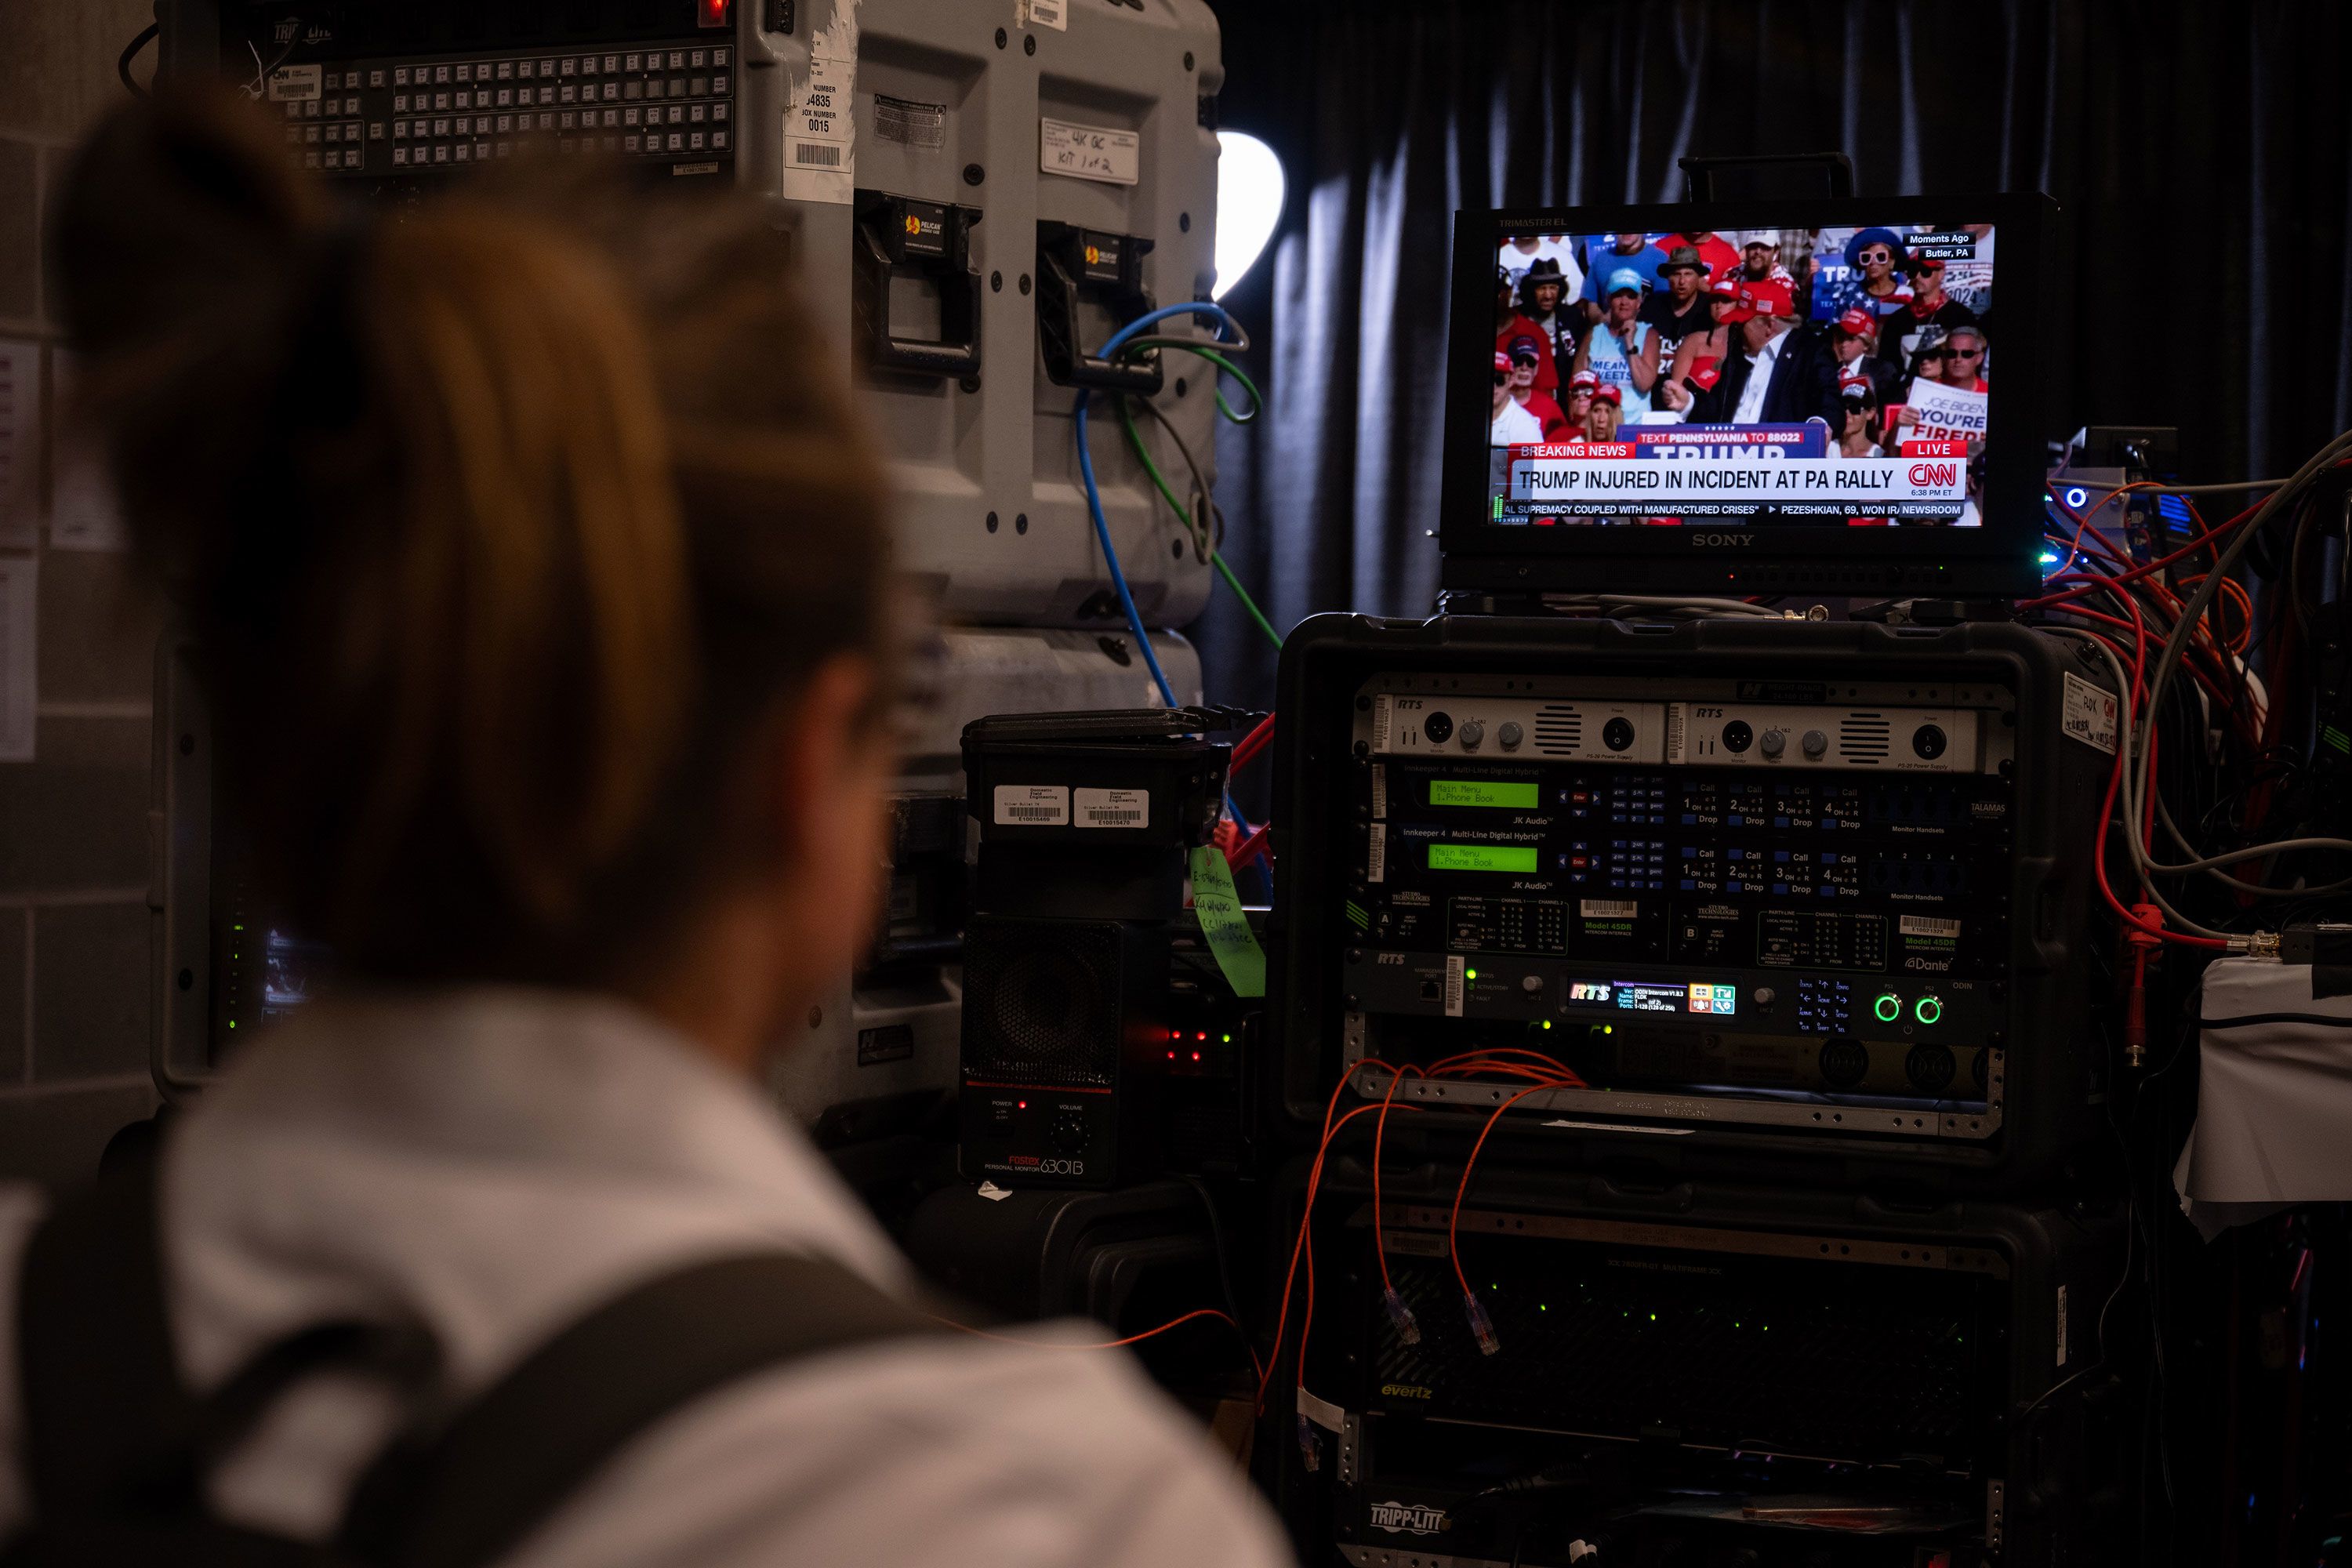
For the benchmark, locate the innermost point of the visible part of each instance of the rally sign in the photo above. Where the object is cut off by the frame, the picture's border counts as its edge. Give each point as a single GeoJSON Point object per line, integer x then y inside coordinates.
{"type": "Point", "coordinates": [1948, 413]}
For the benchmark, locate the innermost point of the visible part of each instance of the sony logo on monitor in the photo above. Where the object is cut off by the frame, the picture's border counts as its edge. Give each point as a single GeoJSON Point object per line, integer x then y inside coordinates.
{"type": "Point", "coordinates": [1721, 540]}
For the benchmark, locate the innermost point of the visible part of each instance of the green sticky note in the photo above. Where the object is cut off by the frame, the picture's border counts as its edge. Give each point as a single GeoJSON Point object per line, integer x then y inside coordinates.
{"type": "Point", "coordinates": [1222, 921]}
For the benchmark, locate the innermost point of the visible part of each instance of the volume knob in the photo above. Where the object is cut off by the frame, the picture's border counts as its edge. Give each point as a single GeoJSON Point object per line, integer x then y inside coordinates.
{"type": "Point", "coordinates": [1774, 743]}
{"type": "Point", "coordinates": [1815, 742]}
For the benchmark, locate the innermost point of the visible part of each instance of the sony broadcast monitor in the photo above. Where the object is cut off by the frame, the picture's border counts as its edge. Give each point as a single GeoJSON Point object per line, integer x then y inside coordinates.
{"type": "Point", "coordinates": [1837, 396]}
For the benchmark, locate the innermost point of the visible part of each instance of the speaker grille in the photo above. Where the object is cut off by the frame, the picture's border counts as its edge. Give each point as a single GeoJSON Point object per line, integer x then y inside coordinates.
{"type": "Point", "coordinates": [1042, 1002]}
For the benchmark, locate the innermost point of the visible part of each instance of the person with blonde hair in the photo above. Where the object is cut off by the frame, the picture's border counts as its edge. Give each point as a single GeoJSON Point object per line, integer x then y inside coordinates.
{"type": "Point", "coordinates": [539, 578]}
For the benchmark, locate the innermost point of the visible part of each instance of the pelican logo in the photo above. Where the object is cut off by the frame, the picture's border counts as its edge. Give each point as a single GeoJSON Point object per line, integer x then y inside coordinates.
{"type": "Point", "coordinates": [913, 224]}
{"type": "Point", "coordinates": [1722, 541]}
{"type": "Point", "coordinates": [1409, 1518]}
{"type": "Point", "coordinates": [1093, 254]}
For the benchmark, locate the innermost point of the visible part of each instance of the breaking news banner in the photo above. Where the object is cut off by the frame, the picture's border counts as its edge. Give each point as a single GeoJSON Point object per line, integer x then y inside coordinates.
{"type": "Point", "coordinates": [1716, 470]}
{"type": "Point", "coordinates": [1948, 413]}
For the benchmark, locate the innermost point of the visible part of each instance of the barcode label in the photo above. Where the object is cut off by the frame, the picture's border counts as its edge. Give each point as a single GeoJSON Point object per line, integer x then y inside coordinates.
{"type": "Point", "coordinates": [1032, 805]}
{"type": "Point", "coordinates": [1608, 908]}
{"type": "Point", "coordinates": [1454, 986]}
{"type": "Point", "coordinates": [1674, 732]}
{"type": "Point", "coordinates": [1383, 714]}
{"type": "Point", "coordinates": [1920, 925]}
{"type": "Point", "coordinates": [1376, 853]}
{"type": "Point", "coordinates": [820, 155]}
{"type": "Point", "coordinates": [1380, 790]}
{"type": "Point", "coordinates": [1113, 807]}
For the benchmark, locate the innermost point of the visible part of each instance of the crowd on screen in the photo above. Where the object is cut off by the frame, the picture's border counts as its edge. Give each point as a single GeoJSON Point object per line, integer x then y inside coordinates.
{"type": "Point", "coordinates": [1766, 326]}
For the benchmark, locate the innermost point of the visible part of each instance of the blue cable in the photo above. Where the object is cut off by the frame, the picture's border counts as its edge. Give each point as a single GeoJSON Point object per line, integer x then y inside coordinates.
{"type": "Point", "coordinates": [1094, 493]}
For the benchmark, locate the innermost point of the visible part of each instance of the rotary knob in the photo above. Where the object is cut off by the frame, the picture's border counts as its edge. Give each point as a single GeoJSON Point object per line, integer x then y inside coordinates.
{"type": "Point", "coordinates": [1510, 734]}
{"type": "Point", "coordinates": [1816, 744]}
{"type": "Point", "coordinates": [1774, 743]}
{"type": "Point", "coordinates": [1473, 734]}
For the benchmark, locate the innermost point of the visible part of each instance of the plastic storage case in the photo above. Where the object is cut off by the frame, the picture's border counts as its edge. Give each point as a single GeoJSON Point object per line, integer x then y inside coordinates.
{"type": "Point", "coordinates": [954, 320]}
{"type": "Point", "coordinates": [1656, 1344]}
{"type": "Point", "coordinates": [2030, 1016]}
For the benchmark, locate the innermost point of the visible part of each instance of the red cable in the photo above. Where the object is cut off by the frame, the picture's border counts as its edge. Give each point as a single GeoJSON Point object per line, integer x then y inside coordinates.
{"type": "Point", "coordinates": [1250, 848]}
{"type": "Point", "coordinates": [1222, 1316]}
{"type": "Point", "coordinates": [1380, 1131]}
{"type": "Point", "coordinates": [1246, 748]}
{"type": "Point", "coordinates": [1453, 1221]}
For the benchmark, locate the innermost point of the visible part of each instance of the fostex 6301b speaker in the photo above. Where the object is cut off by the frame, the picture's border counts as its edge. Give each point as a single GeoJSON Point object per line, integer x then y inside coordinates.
{"type": "Point", "coordinates": [1063, 1041]}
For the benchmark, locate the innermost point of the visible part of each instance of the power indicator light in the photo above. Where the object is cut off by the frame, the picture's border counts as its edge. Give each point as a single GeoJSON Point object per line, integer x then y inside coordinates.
{"type": "Point", "coordinates": [712, 12]}
{"type": "Point", "coordinates": [1889, 1007]}
{"type": "Point", "coordinates": [1928, 1009]}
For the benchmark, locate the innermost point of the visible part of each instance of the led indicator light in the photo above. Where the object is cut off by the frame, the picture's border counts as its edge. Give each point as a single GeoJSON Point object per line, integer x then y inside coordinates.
{"type": "Point", "coordinates": [1889, 1007]}
{"type": "Point", "coordinates": [1928, 1009]}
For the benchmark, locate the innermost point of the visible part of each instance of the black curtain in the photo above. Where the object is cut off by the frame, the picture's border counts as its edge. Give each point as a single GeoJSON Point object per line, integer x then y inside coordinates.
{"type": "Point", "coordinates": [2203, 155]}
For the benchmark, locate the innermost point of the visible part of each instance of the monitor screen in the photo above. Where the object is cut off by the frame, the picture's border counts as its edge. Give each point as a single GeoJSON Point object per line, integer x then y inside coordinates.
{"type": "Point", "coordinates": [1808, 391]}
{"type": "Point", "coordinates": [1691, 378]}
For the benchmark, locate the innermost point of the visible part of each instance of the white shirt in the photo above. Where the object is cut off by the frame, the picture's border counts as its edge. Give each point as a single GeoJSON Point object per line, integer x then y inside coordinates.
{"type": "Point", "coordinates": [494, 1164]}
{"type": "Point", "coordinates": [1760, 379]}
{"type": "Point", "coordinates": [1515, 262]}
{"type": "Point", "coordinates": [1514, 426]}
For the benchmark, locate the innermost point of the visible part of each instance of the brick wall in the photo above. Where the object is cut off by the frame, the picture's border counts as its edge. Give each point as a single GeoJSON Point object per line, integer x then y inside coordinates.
{"type": "Point", "coordinates": [74, 925]}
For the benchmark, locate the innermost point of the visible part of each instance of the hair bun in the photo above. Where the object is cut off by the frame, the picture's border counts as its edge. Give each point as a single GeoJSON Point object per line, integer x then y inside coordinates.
{"type": "Point", "coordinates": [176, 207]}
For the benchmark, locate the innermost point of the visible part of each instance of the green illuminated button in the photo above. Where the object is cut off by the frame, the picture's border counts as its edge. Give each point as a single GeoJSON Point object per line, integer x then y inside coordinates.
{"type": "Point", "coordinates": [1928, 1009]}
{"type": "Point", "coordinates": [1889, 1007]}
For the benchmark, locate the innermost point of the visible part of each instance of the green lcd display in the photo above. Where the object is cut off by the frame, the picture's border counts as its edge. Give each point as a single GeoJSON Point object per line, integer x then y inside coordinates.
{"type": "Point", "coordinates": [1482, 792]}
{"type": "Point", "coordinates": [1482, 857]}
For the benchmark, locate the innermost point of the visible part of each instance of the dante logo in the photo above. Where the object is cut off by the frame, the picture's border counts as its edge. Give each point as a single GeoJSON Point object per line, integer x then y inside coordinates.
{"type": "Point", "coordinates": [1409, 1518]}
{"type": "Point", "coordinates": [1722, 541]}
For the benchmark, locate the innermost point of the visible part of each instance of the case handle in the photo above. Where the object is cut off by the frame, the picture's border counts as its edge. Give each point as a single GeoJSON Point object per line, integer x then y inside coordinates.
{"type": "Point", "coordinates": [1076, 264]}
{"type": "Point", "coordinates": [929, 239]}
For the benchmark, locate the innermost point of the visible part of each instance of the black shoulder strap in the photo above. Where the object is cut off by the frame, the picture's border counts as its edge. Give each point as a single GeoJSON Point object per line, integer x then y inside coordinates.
{"type": "Point", "coordinates": [469, 1492]}
{"type": "Point", "coordinates": [108, 1427]}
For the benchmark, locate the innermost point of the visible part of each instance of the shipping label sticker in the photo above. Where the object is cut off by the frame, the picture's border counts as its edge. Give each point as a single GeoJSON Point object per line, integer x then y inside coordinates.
{"type": "Point", "coordinates": [1112, 807]}
{"type": "Point", "coordinates": [2089, 714]}
{"type": "Point", "coordinates": [1102, 152]}
{"type": "Point", "coordinates": [1032, 805]}
{"type": "Point", "coordinates": [820, 127]}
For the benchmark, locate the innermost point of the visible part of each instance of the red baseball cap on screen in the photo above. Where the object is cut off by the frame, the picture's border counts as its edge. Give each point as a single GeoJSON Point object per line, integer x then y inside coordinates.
{"type": "Point", "coordinates": [1607, 392]}
{"type": "Point", "coordinates": [1584, 381]}
{"type": "Point", "coordinates": [1502, 360]}
{"type": "Point", "coordinates": [1854, 381]}
{"type": "Point", "coordinates": [1726, 287]}
{"type": "Point", "coordinates": [1765, 299]}
{"type": "Point", "coordinates": [1857, 325]}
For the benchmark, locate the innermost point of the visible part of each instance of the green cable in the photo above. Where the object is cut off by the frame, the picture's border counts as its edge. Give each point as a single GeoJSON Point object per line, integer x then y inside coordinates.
{"type": "Point", "coordinates": [1135, 439]}
{"type": "Point", "coordinates": [1257, 400]}
{"type": "Point", "coordinates": [1248, 604]}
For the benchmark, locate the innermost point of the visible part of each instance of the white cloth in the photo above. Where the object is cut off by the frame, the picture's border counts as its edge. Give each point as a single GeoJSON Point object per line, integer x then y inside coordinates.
{"type": "Point", "coordinates": [2273, 1096]}
{"type": "Point", "coordinates": [495, 1163]}
{"type": "Point", "coordinates": [1760, 381]}
{"type": "Point", "coordinates": [1513, 427]}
